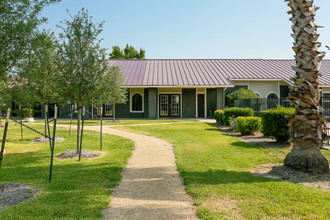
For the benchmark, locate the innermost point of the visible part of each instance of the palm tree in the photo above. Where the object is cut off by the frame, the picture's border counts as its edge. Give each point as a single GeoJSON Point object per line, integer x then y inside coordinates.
{"type": "Point", "coordinates": [306, 128]}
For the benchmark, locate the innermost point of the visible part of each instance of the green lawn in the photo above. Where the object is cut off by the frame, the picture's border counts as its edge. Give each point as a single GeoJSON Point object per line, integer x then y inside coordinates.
{"type": "Point", "coordinates": [121, 122]}
{"type": "Point", "coordinates": [215, 168]}
{"type": "Point", "coordinates": [79, 190]}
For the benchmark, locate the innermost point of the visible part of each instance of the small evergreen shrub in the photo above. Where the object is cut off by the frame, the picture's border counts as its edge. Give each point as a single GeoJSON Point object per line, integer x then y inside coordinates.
{"type": "Point", "coordinates": [235, 112]}
{"type": "Point", "coordinates": [248, 125]}
{"type": "Point", "coordinates": [25, 112]}
{"type": "Point", "coordinates": [275, 123]}
{"type": "Point", "coordinates": [218, 115]}
{"type": "Point", "coordinates": [239, 94]}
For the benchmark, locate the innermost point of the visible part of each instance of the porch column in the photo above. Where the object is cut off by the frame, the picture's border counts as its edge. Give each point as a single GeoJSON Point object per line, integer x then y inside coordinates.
{"type": "Point", "coordinates": [220, 98]}
{"type": "Point", "coordinates": [152, 103]}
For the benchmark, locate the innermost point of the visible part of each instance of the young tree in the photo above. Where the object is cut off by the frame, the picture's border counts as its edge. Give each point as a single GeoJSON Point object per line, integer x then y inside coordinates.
{"type": "Point", "coordinates": [306, 127]}
{"type": "Point", "coordinates": [19, 19]}
{"type": "Point", "coordinates": [82, 62]}
{"type": "Point", "coordinates": [44, 70]}
{"type": "Point", "coordinates": [128, 53]}
{"type": "Point", "coordinates": [111, 89]}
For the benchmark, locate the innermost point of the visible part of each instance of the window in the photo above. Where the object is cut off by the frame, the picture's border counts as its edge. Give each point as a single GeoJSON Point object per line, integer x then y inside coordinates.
{"type": "Point", "coordinates": [108, 109]}
{"type": "Point", "coordinates": [272, 100]}
{"type": "Point", "coordinates": [137, 103]}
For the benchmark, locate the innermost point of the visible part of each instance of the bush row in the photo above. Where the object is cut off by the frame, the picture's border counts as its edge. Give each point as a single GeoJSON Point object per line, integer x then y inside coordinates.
{"type": "Point", "coordinates": [248, 125]}
{"type": "Point", "coordinates": [235, 112]}
{"type": "Point", "coordinates": [273, 122]}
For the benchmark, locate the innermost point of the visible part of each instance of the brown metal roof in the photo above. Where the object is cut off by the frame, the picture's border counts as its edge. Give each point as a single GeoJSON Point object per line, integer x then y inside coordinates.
{"type": "Point", "coordinates": [208, 72]}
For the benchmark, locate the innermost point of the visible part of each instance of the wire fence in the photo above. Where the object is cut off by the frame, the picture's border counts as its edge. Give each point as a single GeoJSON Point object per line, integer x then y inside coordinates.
{"type": "Point", "coordinates": [262, 104]}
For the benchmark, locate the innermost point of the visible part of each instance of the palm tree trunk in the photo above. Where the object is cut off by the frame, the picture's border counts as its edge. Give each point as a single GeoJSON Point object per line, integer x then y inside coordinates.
{"type": "Point", "coordinates": [306, 128]}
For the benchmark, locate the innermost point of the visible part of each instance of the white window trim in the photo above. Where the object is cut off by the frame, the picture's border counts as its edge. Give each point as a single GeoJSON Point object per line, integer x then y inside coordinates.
{"type": "Point", "coordinates": [271, 93]}
{"type": "Point", "coordinates": [169, 93]}
{"type": "Point", "coordinates": [131, 103]}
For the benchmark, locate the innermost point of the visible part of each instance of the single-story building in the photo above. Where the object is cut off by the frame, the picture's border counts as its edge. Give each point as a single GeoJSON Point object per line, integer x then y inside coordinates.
{"type": "Point", "coordinates": [194, 88]}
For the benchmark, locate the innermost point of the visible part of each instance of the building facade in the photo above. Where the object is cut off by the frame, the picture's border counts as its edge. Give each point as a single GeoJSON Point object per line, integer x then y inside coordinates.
{"type": "Point", "coordinates": [195, 88]}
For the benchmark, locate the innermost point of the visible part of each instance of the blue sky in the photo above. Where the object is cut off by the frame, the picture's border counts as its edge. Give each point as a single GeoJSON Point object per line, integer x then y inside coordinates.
{"type": "Point", "coordinates": [194, 28]}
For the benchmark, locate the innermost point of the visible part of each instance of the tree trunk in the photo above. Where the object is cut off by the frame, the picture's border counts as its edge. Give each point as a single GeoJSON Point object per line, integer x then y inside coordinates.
{"type": "Point", "coordinates": [113, 111]}
{"type": "Point", "coordinates": [29, 113]}
{"type": "Point", "coordinates": [78, 129]}
{"type": "Point", "coordinates": [46, 121]}
{"type": "Point", "coordinates": [306, 128]}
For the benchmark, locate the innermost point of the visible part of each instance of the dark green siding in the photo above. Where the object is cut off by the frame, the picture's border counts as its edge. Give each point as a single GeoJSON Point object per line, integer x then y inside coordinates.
{"type": "Point", "coordinates": [189, 103]}
{"type": "Point", "coordinates": [211, 102]}
{"type": "Point", "coordinates": [146, 106]}
{"type": "Point", "coordinates": [122, 110]}
{"type": "Point", "coordinates": [152, 103]}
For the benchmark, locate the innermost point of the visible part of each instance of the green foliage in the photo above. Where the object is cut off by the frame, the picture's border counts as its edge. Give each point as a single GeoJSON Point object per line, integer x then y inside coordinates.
{"type": "Point", "coordinates": [69, 195]}
{"type": "Point", "coordinates": [41, 70]}
{"type": "Point", "coordinates": [235, 112]}
{"type": "Point", "coordinates": [219, 115]}
{"type": "Point", "coordinates": [27, 112]}
{"type": "Point", "coordinates": [275, 123]}
{"type": "Point", "coordinates": [239, 94]}
{"type": "Point", "coordinates": [83, 63]}
{"type": "Point", "coordinates": [19, 20]}
{"type": "Point", "coordinates": [128, 53]}
{"type": "Point", "coordinates": [248, 125]}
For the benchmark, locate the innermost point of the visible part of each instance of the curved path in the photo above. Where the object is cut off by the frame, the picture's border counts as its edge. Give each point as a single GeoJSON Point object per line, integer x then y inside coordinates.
{"type": "Point", "coordinates": [151, 187]}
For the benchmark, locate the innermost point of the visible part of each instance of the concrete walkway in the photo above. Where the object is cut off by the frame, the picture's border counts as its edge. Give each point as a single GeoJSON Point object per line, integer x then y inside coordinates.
{"type": "Point", "coordinates": [151, 187]}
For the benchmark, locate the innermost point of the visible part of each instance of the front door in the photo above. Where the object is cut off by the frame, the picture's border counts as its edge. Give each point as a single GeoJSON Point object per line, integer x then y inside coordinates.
{"type": "Point", "coordinates": [169, 105]}
{"type": "Point", "coordinates": [201, 105]}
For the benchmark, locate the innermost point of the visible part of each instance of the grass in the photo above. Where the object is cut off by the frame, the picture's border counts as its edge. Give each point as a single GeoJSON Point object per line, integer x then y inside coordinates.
{"type": "Point", "coordinates": [215, 168]}
{"type": "Point", "coordinates": [121, 122]}
{"type": "Point", "coordinates": [79, 190]}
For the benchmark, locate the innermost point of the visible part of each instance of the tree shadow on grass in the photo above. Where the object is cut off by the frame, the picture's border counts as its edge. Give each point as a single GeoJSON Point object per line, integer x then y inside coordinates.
{"type": "Point", "coordinates": [249, 141]}
{"type": "Point", "coordinates": [215, 177]}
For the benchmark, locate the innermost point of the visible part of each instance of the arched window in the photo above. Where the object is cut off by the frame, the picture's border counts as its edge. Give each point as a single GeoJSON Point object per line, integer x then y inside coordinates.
{"type": "Point", "coordinates": [272, 100]}
{"type": "Point", "coordinates": [272, 96]}
{"type": "Point", "coordinates": [137, 102]}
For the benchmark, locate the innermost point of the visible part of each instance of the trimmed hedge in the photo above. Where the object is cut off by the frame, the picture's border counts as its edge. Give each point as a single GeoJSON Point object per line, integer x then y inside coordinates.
{"type": "Point", "coordinates": [235, 112]}
{"type": "Point", "coordinates": [219, 115]}
{"type": "Point", "coordinates": [275, 123]}
{"type": "Point", "coordinates": [248, 125]}
{"type": "Point", "coordinates": [239, 94]}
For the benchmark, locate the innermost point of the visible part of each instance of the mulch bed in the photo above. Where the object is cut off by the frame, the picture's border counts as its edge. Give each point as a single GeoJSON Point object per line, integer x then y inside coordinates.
{"type": "Point", "coordinates": [46, 140]}
{"type": "Point", "coordinates": [73, 154]}
{"type": "Point", "coordinates": [282, 172]}
{"type": "Point", "coordinates": [256, 138]}
{"type": "Point", "coordinates": [13, 194]}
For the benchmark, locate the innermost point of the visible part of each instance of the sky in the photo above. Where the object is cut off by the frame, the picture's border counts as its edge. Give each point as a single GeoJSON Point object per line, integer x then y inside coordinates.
{"type": "Point", "coordinates": [194, 29]}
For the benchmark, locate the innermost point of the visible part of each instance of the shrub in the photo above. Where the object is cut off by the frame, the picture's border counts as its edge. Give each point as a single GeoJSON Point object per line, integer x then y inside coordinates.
{"type": "Point", "coordinates": [235, 112]}
{"type": "Point", "coordinates": [275, 123]}
{"type": "Point", "coordinates": [248, 125]}
{"type": "Point", "coordinates": [233, 124]}
{"type": "Point", "coordinates": [241, 93]}
{"type": "Point", "coordinates": [25, 112]}
{"type": "Point", "coordinates": [218, 115]}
